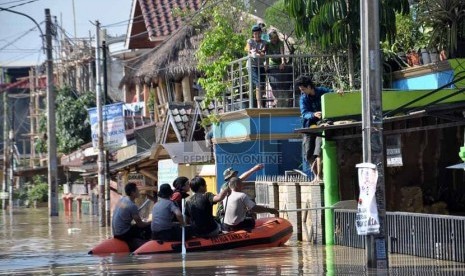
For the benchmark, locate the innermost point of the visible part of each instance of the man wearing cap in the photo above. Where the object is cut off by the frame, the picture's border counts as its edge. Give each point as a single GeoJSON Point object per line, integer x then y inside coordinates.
{"type": "Point", "coordinates": [228, 174]}
{"type": "Point", "coordinates": [256, 48]}
{"type": "Point", "coordinates": [239, 205]}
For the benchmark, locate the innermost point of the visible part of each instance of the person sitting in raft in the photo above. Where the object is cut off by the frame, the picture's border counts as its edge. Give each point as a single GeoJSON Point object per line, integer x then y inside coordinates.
{"type": "Point", "coordinates": [238, 205]}
{"type": "Point", "coordinates": [124, 213]}
{"type": "Point", "coordinates": [199, 209]}
{"type": "Point", "coordinates": [181, 187]}
{"type": "Point", "coordinates": [228, 174]}
{"type": "Point", "coordinates": [163, 212]}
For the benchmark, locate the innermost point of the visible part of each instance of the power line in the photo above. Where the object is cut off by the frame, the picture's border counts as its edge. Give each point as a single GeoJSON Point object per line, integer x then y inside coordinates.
{"type": "Point", "coordinates": [18, 38]}
{"type": "Point", "coordinates": [121, 22]}
{"type": "Point", "coordinates": [10, 61]}
{"type": "Point", "coordinates": [22, 4]}
{"type": "Point", "coordinates": [18, 50]}
{"type": "Point", "coordinates": [11, 2]}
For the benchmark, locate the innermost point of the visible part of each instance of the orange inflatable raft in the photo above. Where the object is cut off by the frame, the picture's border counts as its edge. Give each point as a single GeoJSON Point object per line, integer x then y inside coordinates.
{"type": "Point", "coordinates": [110, 246]}
{"type": "Point", "coordinates": [268, 232]}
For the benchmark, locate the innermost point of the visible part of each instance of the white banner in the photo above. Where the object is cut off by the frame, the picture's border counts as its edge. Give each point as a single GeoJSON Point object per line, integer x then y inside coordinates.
{"type": "Point", "coordinates": [114, 133]}
{"type": "Point", "coordinates": [367, 221]}
{"type": "Point", "coordinates": [167, 171]}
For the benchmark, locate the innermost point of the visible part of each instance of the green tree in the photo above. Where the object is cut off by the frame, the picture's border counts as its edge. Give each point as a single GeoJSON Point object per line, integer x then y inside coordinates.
{"type": "Point", "coordinates": [335, 24]}
{"type": "Point", "coordinates": [408, 32]}
{"type": "Point", "coordinates": [72, 122]}
{"type": "Point", "coordinates": [446, 18]}
{"type": "Point", "coordinates": [277, 16]}
{"type": "Point", "coordinates": [223, 42]}
{"type": "Point", "coordinates": [39, 190]}
{"type": "Point", "coordinates": [73, 127]}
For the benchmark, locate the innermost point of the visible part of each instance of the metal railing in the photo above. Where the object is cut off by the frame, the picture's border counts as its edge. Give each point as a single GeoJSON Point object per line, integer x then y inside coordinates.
{"type": "Point", "coordinates": [277, 88]}
{"type": "Point", "coordinates": [423, 235]}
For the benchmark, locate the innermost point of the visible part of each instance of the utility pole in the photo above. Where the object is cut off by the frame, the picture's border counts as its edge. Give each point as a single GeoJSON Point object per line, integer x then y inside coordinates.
{"type": "Point", "coordinates": [100, 158]}
{"type": "Point", "coordinates": [5, 150]}
{"type": "Point", "coordinates": [372, 122]}
{"type": "Point", "coordinates": [107, 162]}
{"type": "Point", "coordinates": [51, 122]}
{"type": "Point", "coordinates": [12, 157]}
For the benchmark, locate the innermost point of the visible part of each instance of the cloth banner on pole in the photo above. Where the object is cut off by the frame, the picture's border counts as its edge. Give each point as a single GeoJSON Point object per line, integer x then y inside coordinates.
{"type": "Point", "coordinates": [114, 133]}
{"type": "Point", "coordinates": [367, 220]}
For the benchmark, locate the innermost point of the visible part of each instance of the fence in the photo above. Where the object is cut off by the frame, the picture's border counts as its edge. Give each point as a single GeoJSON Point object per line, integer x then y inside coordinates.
{"type": "Point", "coordinates": [298, 201]}
{"type": "Point", "coordinates": [278, 87]}
{"type": "Point", "coordinates": [423, 235]}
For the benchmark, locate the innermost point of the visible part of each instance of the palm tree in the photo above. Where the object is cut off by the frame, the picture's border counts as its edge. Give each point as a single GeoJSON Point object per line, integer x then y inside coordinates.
{"type": "Point", "coordinates": [447, 20]}
{"type": "Point", "coordinates": [335, 24]}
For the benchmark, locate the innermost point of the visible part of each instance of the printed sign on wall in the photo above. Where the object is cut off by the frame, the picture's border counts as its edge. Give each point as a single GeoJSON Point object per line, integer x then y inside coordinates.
{"type": "Point", "coordinates": [393, 151]}
{"type": "Point", "coordinates": [367, 220]}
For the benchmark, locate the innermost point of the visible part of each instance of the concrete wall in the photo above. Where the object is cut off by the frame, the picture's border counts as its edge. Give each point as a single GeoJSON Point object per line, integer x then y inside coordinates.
{"type": "Point", "coordinates": [285, 194]}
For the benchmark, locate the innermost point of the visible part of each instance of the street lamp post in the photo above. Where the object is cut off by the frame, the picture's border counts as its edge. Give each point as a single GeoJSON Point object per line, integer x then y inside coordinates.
{"type": "Point", "coordinates": [51, 127]}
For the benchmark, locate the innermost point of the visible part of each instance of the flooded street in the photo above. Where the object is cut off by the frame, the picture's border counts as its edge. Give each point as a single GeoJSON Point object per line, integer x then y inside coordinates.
{"type": "Point", "coordinates": [33, 243]}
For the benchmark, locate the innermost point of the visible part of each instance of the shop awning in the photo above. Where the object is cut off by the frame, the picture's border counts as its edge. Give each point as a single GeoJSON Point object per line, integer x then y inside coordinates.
{"type": "Point", "coordinates": [189, 152]}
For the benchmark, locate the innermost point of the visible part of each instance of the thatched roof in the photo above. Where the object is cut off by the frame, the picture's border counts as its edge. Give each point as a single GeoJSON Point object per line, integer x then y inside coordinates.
{"type": "Point", "coordinates": [174, 58]}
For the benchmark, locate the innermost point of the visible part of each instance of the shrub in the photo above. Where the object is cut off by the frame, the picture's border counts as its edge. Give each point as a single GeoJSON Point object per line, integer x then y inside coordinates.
{"type": "Point", "coordinates": [39, 192]}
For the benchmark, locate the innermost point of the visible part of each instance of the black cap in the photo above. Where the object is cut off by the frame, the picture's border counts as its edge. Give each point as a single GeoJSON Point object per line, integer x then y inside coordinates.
{"type": "Point", "coordinates": [256, 28]}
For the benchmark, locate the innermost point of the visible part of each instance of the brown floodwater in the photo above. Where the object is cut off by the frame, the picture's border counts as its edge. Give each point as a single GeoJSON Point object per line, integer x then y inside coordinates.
{"type": "Point", "coordinates": [32, 243]}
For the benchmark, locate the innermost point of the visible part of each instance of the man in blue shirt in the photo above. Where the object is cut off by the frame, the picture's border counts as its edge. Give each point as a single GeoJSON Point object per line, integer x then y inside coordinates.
{"type": "Point", "coordinates": [124, 213]}
{"type": "Point", "coordinates": [310, 110]}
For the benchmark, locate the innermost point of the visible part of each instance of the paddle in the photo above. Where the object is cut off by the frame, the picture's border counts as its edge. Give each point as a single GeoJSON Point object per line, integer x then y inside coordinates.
{"type": "Point", "coordinates": [183, 241]}
{"type": "Point", "coordinates": [143, 204]}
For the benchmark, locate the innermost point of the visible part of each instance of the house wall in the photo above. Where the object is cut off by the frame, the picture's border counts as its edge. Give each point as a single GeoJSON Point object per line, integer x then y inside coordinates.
{"type": "Point", "coordinates": [246, 138]}
{"type": "Point", "coordinates": [422, 183]}
{"type": "Point", "coordinates": [350, 104]}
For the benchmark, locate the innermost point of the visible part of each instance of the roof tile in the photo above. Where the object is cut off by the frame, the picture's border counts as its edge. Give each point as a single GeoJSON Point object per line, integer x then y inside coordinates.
{"type": "Point", "coordinates": [161, 16]}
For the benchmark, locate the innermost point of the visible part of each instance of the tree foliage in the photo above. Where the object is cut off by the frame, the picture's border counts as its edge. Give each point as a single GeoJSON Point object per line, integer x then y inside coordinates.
{"type": "Point", "coordinates": [277, 16]}
{"type": "Point", "coordinates": [73, 127]}
{"type": "Point", "coordinates": [408, 33]}
{"type": "Point", "coordinates": [446, 18]}
{"type": "Point", "coordinates": [39, 189]}
{"type": "Point", "coordinates": [72, 123]}
{"type": "Point", "coordinates": [336, 23]}
{"type": "Point", "coordinates": [223, 42]}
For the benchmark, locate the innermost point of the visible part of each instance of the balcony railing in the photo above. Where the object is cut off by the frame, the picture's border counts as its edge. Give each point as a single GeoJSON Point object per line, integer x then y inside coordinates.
{"type": "Point", "coordinates": [278, 87]}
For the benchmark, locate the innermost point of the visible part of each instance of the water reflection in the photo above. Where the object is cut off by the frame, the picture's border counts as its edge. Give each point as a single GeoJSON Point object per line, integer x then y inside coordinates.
{"type": "Point", "coordinates": [33, 243]}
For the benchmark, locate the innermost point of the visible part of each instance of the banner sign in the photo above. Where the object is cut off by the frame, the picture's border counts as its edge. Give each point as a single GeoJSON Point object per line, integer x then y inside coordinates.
{"type": "Point", "coordinates": [167, 171]}
{"type": "Point", "coordinates": [114, 133]}
{"type": "Point", "coordinates": [367, 221]}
